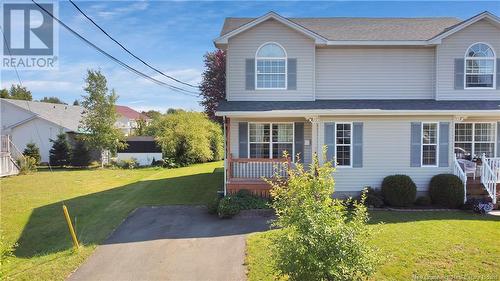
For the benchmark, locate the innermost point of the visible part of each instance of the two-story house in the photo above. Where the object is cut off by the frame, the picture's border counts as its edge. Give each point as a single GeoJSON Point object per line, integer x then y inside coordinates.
{"type": "Point", "coordinates": [128, 119]}
{"type": "Point", "coordinates": [384, 95]}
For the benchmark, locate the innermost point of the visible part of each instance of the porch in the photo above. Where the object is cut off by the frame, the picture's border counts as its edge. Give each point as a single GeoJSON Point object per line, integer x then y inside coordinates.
{"type": "Point", "coordinates": [481, 181]}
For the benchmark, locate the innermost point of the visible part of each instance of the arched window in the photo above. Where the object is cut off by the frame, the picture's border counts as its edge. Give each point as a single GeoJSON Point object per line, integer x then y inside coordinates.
{"type": "Point", "coordinates": [480, 67]}
{"type": "Point", "coordinates": [270, 62]}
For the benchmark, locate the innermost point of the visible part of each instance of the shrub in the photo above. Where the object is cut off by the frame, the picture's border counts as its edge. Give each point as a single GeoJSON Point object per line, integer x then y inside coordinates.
{"type": "Point", "coordinates": [228, 207]}
{"type": "Point", "coordinates": [33, 151]}
{"type": "Point", "coordinates": [213, 205]}
{"type": "Point", "coordinates": [60, 151]}
{"type": "Point", "coordinates": [399, 190]}
{"type": "Point", "coordinates": [128, 163]}
{"type": "Point", "coordinates": [246, 200]}
{"type": "Point", "coordinates": [80, 155]}
{"type": "Point", "coordinates": [27, 165]}
{"type": "Point", "coordinates": [447, 190]}
{"type": "Point", "coordinates": [373, 198]}
{"type": "Point", "coordinates": [423, 201]}
{"type": "Point", "coordinates": [170, 163]}
{"type": "Point", "coordinates": [320, 238]}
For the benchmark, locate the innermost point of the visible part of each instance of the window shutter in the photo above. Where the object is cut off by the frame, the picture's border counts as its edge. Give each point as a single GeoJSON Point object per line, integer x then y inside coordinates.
{"type": "Point", "coordinates": [415, 147]}
{"type": "Point", "coordinates": [498, 75]}
{"type": "Point", "coordinates": [459, 74]}
{"type": "Point", "coordinates": [292, 74]}
{"type": "Point", "coordinates": [330, 140]}
{"type": "Point", "coordinates": [243, 139]}
{"type": "Point", "coordinates": [250, 74]}
{"type": "Point", "coordinates": [299, 140]}
{"type": "Point", "coordinates": [498, 138]}
{"type": "Point", "coordinates": [357, 157]}
{"type": "Point", "coordinates": [444, 144]}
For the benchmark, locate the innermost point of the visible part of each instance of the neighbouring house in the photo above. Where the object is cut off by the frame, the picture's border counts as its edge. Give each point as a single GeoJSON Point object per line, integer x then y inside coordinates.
{"type": "Point", "coordinates": [384, 95]}
{"type": "Point", "coordinates": [128, 118]}
{"type": "Point", "coordinates": [38, 122]}
{"type": "Point", "coordinates": [144, 149]}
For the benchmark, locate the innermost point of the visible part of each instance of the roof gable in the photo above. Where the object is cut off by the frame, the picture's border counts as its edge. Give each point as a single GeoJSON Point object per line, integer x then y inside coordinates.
{"type": "Point", "coordinates": [129, 112]}
{"type": "Point", "coordinates": [454, 29]}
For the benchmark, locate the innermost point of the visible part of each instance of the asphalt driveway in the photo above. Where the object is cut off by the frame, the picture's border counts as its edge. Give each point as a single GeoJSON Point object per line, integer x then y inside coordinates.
{"type": "Point", "coordinates": [173, 243]}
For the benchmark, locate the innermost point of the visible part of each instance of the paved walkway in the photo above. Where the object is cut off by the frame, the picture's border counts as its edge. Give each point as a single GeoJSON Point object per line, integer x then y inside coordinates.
{"type": "Point", "coordinates": [173, 243]}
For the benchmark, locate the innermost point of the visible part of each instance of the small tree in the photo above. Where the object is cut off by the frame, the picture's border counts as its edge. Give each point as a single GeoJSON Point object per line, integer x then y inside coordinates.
{"type": "Point", "coordinates": [60, 151]}
{"type": "Point", "coordinates": [52, 100]}
{"type": "Point", "coordinates": [213, 85]}
{"type": "Point", "coordinates": [321, 238]}
{"type": "Point", "coordinates": [32, 151]}
{"type": "Point", "coordinates": [76, 102]}
{"type": "Point", "coordinates": [100, 115]}
{"type": "Point", "coordinates": [16, 92]}
{"type": "Point", "coordinates": [80, 155]}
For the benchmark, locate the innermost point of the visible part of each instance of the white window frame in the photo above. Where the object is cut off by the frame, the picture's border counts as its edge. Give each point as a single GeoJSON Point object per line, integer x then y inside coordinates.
{"type": "Point", "coordinates": [422, 144]}
{"type": "Point", "coordinates": [473, 141]}
{"type": "Point", "coordinates": [271, 138]}
{"type": "Point", "coordinates": [467, 58]}
{"type": "Point", "coordinates": [337, 165]}
{"type": "Point", "coordinates": [271, 58]}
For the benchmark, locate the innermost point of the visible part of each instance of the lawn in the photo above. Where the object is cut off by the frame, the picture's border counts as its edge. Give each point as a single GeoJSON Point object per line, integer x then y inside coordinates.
{"type": "Point", "coordinates": [414, 244]}
{"type": "Point", "coordinates": [98, 201]}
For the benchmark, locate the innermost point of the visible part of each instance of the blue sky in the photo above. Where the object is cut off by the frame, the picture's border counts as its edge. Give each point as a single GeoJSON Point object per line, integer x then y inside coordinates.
{"type": "Point", "coordinates": [174, 36]}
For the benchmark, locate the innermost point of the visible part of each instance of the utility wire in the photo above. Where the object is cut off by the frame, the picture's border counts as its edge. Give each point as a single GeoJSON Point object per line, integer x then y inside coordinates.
{"type": "Point", "coordinates": [121, 63]}
{"type": "Point", "coordinates": [27, 102]}
{"type": "Point", "coordinates": [128, 51]}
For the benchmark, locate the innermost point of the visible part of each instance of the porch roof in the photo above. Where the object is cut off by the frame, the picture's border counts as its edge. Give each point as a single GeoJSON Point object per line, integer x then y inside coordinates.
{"type": "Point", "coordinates": [360, 106]}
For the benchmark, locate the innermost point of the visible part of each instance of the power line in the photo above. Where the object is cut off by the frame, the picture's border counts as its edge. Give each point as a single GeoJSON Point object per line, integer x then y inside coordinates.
{"type": "Point", "coordinates": [121, 63]}
{"type": "Point", "coordinates": [128, 51]}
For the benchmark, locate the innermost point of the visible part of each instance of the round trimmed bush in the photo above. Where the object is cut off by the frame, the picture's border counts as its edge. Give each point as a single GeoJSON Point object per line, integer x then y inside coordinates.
{"type": "Point", "coordinates": [399, 190]}
{"type": "Point", "coordinates": [447, 190]}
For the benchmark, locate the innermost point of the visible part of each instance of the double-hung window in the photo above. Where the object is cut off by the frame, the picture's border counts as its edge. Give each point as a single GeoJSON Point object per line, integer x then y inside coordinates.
{"type": "Point", "coordinates": [430, 135]}
{"type": "Point", "coordinates": [271, 67]}
{"type": "Point", "coordinates": [480, 67]}
{"type": "Point", "coordinates": [474, 139]}
{"type": "Point", "coordinates": [343, 144]}
{"type": "Point", "coordinates": [270, 140]}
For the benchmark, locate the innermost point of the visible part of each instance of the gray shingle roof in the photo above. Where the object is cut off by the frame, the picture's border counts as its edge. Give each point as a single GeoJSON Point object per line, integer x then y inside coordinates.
{"type": "Point", "coordinates": [66, 116]}
{"type": "Point", "coordinates": [365, 28]}
{"type": "Point", "coordinates": [242, 106]}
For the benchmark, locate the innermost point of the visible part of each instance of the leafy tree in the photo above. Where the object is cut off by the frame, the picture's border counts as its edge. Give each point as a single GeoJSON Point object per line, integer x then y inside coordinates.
{"type": "Point", "coordinates": [174, 110]}
{"type": "Point", "coordinates": [32, 151]}
{"type": "Point", "coordinates": [152, 114]}
{"type": "Point", "coordinates": [188, 137]}
{"type": "Point", "coordinates": [141, 129]}
{"type": "Point", "coordinates": [80, 155]}
{"type": "Point", "coordinates": [100, 115]}
{"type": "Point", "coordinates": [60, 151]}
{"type": "Point", "coordinates": [76, 102]}
{"type": "Point", "coordinates": [213, 85]}
{"type": "Point", "coordinates": [52, 100]}
{"type": "Point", "coordinates": [321, 238]}
{"type": "Point", "coordinates": [17, 92]}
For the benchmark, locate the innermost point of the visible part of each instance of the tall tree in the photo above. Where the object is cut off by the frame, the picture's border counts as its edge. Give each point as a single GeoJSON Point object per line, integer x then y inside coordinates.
{"type": "Point", "coordinates": [213, 85]}
{"type": "Point", "coordinates": [153, 114]}
{"type": "Point", "coordinates": [16, 92]}
{"type": "Point", "coordinates": [52, 100]}
{"type": "Point", "coordinates": [60, 151]}
{"type": "Point", "coordinates": [100, 115]}
{"type": "Point", "coordinates": [80, 155]}
{"type": "Point", "coordinates": [76, 102]}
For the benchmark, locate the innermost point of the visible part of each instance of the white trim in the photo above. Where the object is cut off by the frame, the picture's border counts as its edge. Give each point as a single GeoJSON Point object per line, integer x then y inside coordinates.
{"type": "Point", "coordinates": [334, 112]}
{"type": "Point", "coordinates": [271, 138]}
{"type": "Point", "coordinates": [351, 153]}
{"type": "Point", "coordinates": [428, 144]}
{"type": "Point", "coordinates": [485, 15]}
{"type": "Point", "coordinates": [271, 15]}
{"type": "Point", "coordinates": [271, 58]}
{"type": "Point", "coordinates": [467, 58]}
{"type": "Point", "coordinates": [473, 141]}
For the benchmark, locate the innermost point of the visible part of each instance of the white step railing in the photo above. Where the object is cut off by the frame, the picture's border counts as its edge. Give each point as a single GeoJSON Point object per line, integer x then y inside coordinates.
{"type": "Point", "coordinates": [459, 172]}
{"type": "Point", "coordinates": [490, 176]}
{"type": "Point", "coordinates": [9, 157]}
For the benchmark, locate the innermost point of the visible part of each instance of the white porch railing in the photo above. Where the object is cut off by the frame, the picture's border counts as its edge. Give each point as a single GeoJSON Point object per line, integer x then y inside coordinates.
{"type": "Point", "coordinates": [490, 176]}
{"type": "Point", "coordinates": [9, 155]}
{"type": "Point", "coordinates": [459, 172]}
{"type": "Point", "coordinates": [252, 168]}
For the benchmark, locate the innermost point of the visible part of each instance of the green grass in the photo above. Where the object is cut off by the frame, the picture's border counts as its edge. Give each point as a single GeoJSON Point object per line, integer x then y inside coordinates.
{"type": "Point", "coordinates": [98, 201]}
{"type": "Point", "coordinates": [432, 244]}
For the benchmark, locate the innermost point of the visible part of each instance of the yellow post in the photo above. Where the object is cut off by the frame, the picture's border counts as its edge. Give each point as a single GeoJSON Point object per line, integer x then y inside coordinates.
{"type": "Point", "coordinates": [70, 226]}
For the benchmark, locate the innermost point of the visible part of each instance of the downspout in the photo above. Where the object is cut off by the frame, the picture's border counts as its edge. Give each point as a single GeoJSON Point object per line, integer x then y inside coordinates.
{"type": "Point", "coordinates": [225, 154]}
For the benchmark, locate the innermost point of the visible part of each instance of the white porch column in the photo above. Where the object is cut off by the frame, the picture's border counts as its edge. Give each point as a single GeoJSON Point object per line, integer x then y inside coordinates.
{"type": "Point", "coordinates": [315, 144]}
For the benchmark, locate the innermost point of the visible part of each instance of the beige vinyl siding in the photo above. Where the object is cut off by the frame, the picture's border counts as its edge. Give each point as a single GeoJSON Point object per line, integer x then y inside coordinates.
{"type": "Point", "coordinates": [245, 45]}
{"type": "Point", "coordinates": [454, 47]}
{"type": "Point", "coordinates": [386, 151]}
{"type": "Point", "coordinates": [375, 73]}
{"type": "Point", "coordinates": [234, 136]}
